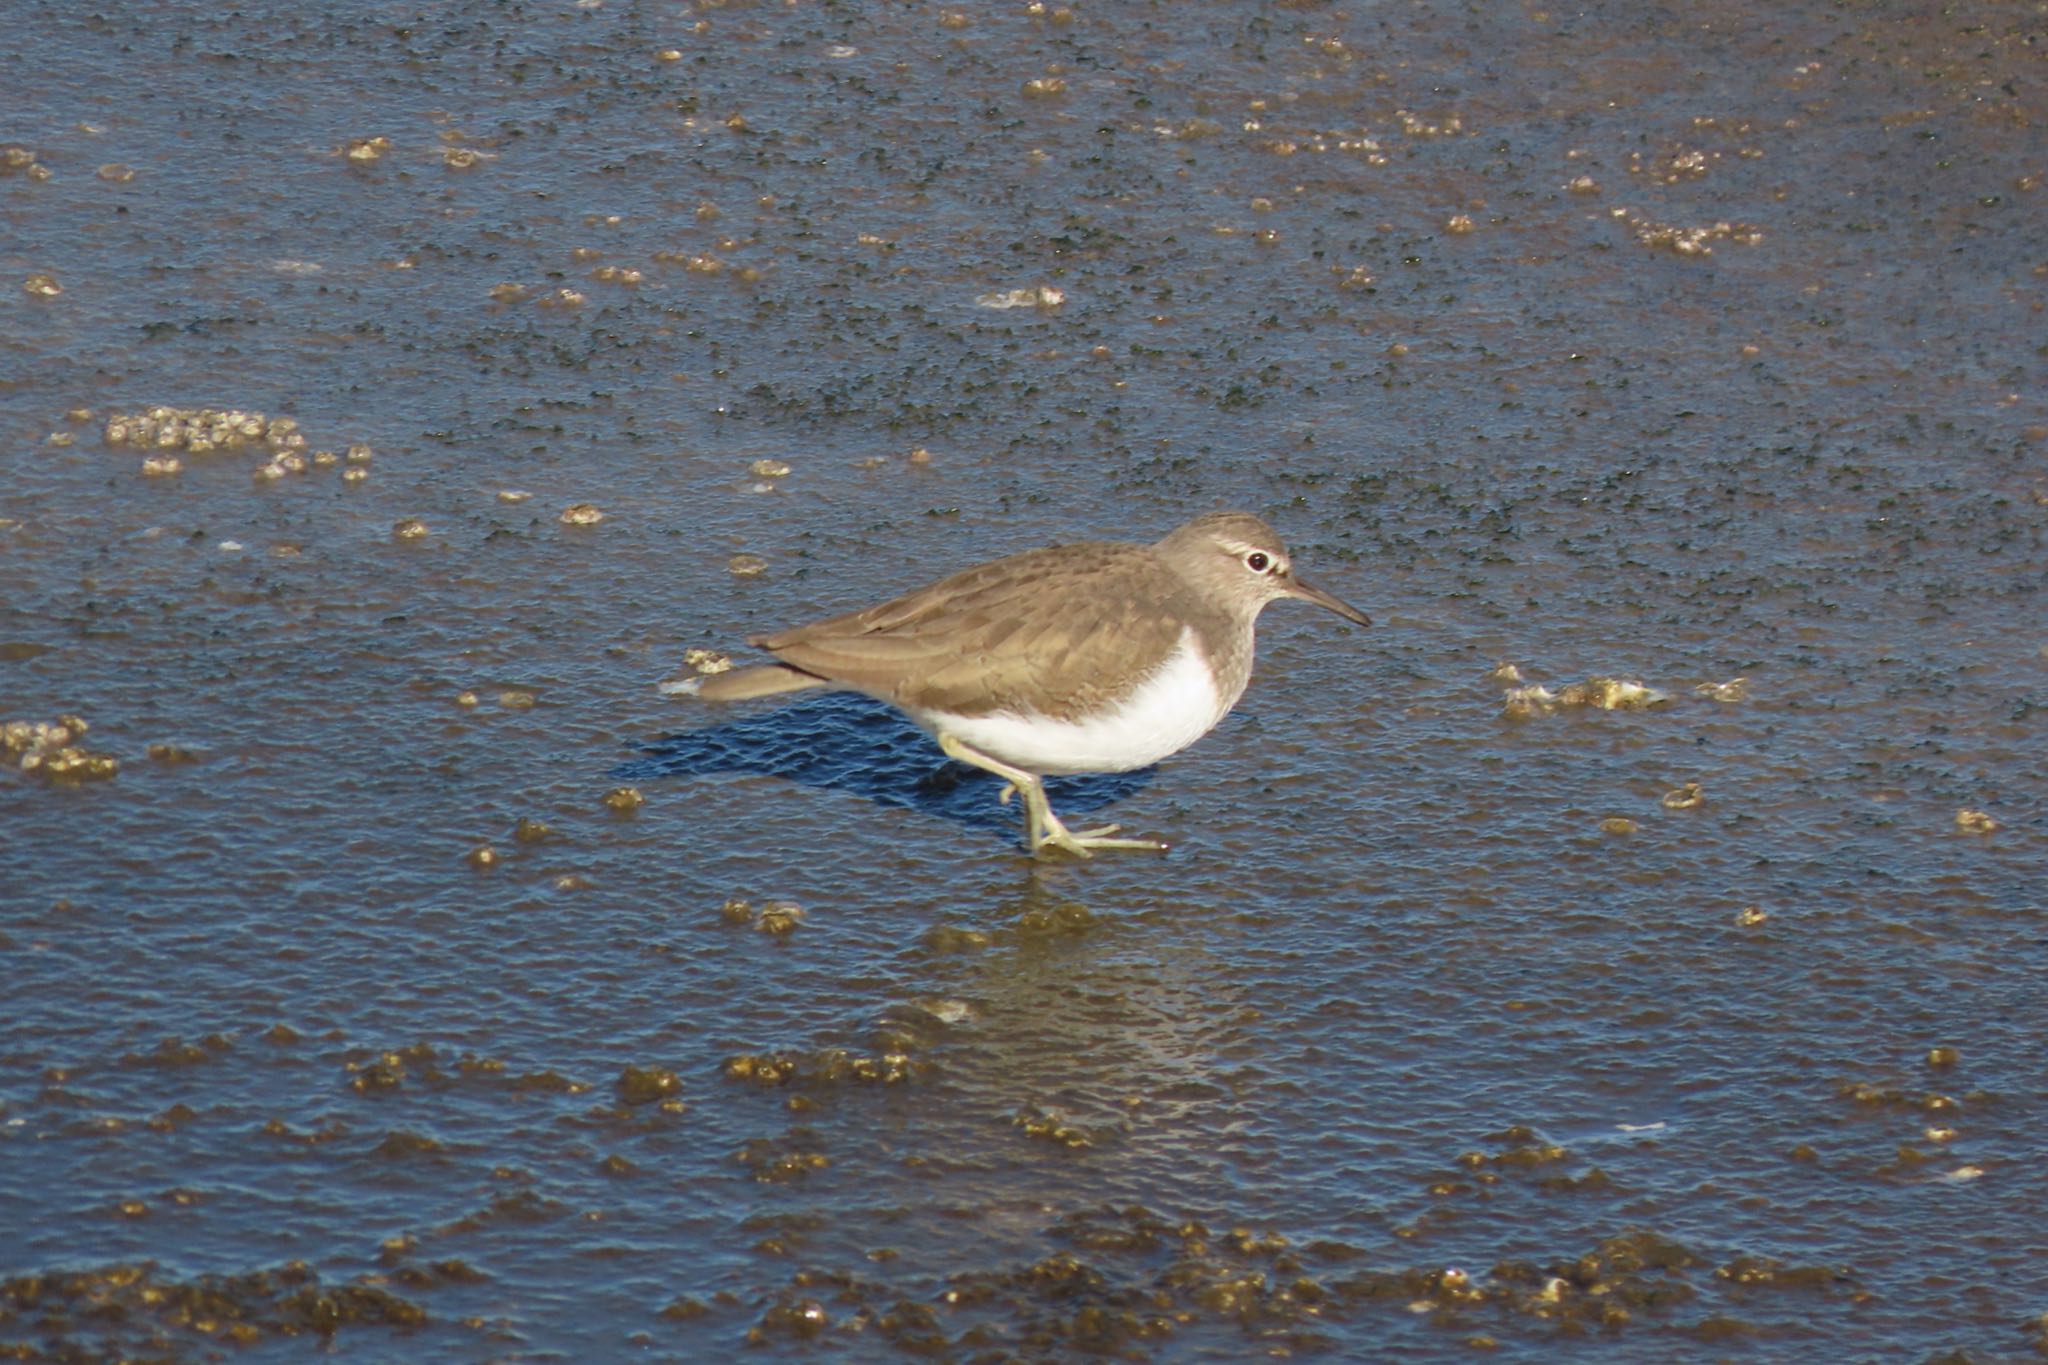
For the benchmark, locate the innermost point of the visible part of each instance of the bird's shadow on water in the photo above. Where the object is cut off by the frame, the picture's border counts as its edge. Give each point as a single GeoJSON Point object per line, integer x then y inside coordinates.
{"type": "Point", "coordinates": [851, 743]}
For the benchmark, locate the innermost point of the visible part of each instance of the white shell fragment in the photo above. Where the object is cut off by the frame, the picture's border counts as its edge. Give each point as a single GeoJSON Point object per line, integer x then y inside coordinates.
{"type": "Point", "coordinates": [1044, 296]}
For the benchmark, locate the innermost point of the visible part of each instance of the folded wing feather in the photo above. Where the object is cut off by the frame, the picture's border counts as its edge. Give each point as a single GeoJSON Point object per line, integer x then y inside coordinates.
{"type": "Point", "coordinates": [1019, 634]}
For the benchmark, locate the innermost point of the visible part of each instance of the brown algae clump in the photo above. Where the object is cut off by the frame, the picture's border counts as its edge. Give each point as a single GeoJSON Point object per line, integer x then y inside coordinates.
{"type": "Point", "coordinates": [1612, 694]}
{"type": "Point", "coordinates": [16, 159]}
{"type": "Point", "coordinates": [165, 434]}
{"type": "Point", "coordinates": [137, 1311]}
{"type": "Point", "coordinates": [1975, 822]}
{"type": "Point", "coordinates": [1685, 241]}
{"type": "Point", "coordinates": [52, 751]}
{"type": "Point", "coordinates": [372, 1072]}
{"type": "Point", "coordinates": [199, 431]}
{"type": "Point", "coordinates": [775, 1163]}
{"type": "Point", "coordinates": [649, 1085]}
{"type": "Point", "coordinates": [779, 918]}
{"type": "Point", "coordinates": [1520, 700]}
{"type": "Point", "coordinates": [825, 1068]}
{"type": "Point", "coordinates": [1047, 1125]}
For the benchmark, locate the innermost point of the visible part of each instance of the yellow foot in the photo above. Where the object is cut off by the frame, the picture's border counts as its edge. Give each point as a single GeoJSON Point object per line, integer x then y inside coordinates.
{"type": "Point", "coordinates": [1083, 843]}
{"type": "Point", "coordinates": [1043, 828]}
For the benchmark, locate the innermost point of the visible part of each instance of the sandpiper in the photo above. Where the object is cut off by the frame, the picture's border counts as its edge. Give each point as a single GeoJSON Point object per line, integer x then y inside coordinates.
{"type": "Point", "coordinates": [1094, 657]}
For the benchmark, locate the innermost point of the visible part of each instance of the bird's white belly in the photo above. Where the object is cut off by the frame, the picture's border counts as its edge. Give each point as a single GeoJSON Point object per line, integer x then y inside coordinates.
{"type": "Point", "coordinates": [1170, 710]}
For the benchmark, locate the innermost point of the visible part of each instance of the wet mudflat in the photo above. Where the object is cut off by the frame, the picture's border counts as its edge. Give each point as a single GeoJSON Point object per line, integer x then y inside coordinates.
{"type": "Point", "coordinates": [1629, 948]}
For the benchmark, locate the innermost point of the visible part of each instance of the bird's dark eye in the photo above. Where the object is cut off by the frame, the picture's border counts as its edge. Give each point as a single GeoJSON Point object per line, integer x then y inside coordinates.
{"type": "Point", "coordinates": [1257, 561]}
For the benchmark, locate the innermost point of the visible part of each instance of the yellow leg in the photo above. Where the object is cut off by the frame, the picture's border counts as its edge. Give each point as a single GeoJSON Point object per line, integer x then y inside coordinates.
{"type": "Point", "coordinates": [1042, 828]}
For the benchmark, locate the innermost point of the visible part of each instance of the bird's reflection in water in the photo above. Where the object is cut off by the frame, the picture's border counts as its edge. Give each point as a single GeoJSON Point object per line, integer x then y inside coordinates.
{"type": "Point", "coordinates": [1081, 1031]}
{"type": "Point", "coordinates": [853, 743]}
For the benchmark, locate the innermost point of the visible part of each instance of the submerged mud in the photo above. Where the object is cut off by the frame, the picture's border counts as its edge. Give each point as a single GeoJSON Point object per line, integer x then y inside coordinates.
{"type": "Point", "coordinates": [1627, 948]}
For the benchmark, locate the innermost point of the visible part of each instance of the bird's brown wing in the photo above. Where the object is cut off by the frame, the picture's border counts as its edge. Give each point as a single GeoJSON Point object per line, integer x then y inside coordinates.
{"type": "Point", "coordinates": [1048, 630]}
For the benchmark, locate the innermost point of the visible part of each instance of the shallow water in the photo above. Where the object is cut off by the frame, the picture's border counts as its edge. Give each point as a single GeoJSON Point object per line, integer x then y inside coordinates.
{"type": "Point", "coordinates": [1680, 346]}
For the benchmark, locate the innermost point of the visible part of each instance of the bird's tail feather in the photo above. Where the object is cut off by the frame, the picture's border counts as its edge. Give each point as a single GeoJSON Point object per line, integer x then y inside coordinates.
{"type": "Point", "coordinates": [767, 680]}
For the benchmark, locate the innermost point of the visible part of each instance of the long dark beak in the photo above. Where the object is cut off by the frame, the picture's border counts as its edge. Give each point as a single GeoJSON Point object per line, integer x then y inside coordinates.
{"type": "Point", "coordinates": [1309, 593]}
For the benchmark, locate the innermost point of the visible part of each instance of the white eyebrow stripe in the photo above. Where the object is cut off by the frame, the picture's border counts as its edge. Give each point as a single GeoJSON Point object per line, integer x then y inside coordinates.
{"type": "Point", "coordinates": [1245, 547]}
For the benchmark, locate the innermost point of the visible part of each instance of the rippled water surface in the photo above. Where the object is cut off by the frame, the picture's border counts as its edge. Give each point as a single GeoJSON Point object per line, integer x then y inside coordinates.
{"type": "Point", "coordinates": [1697, 346]}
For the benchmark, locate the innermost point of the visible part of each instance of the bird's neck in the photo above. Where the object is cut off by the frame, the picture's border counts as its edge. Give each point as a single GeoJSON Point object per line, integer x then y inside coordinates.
{"type": "Point", "coordinates": [1228, 651]}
